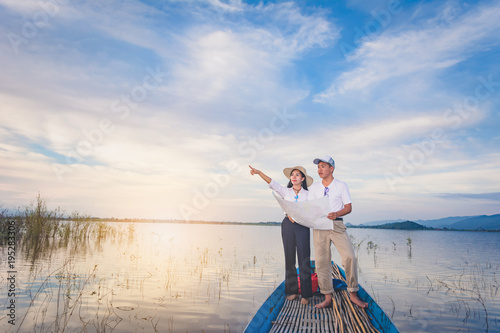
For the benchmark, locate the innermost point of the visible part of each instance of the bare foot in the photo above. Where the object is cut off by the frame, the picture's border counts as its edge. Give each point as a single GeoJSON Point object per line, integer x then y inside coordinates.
{"type": "Point", "coordinates": [292, 297]}
{"type": "Point", "coordinates": [325, 303]}
{"type": "Point", "coordinates": [356, 300]}
{"type": "Point", "coordinates": [304, 301]}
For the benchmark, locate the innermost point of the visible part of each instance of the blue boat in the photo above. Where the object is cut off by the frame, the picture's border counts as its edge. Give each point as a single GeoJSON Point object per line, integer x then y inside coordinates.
{"type": "Point", "coordinates": [278, 314]}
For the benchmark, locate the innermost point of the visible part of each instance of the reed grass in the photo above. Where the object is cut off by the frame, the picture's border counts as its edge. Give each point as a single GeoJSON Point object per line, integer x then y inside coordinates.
{"type": "Point", "coordinates": [5, 218]}
{"type": "Point", "coordinates": [39, 229]}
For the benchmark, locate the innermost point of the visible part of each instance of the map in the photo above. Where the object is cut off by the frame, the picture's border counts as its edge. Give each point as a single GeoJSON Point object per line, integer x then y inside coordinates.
{"type": "Point", "coordinates": [312, 213]}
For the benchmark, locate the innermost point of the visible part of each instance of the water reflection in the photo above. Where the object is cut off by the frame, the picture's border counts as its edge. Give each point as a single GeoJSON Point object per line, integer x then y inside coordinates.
{"type": "Point", "coordinates": [433, 281]}
{"type": "Point", "coordinates": [190, 277]}
{"type": "Point", "coordinates": [148, 277]}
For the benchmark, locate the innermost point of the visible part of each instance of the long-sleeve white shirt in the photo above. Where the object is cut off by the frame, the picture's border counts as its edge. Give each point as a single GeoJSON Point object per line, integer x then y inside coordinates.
{"type": "Point", "coordinates": [288, 193]}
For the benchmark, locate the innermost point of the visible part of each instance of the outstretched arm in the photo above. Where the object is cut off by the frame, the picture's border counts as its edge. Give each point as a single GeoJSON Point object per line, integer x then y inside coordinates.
{"type": "Point", "coordinates": [260, 173]}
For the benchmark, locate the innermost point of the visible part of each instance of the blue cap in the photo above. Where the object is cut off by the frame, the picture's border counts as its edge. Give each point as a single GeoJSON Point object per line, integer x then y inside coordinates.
{"type": "Point", "coordinates": [326, 159]}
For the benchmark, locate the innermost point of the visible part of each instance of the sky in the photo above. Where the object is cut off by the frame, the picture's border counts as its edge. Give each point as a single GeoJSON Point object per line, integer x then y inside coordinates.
{"type": "Point", "coordinates": [154, 109]}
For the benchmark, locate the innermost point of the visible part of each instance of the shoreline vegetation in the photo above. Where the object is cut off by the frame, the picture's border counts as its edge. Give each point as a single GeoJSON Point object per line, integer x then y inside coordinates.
{"type": "Point", "coordinates": [35, 228]}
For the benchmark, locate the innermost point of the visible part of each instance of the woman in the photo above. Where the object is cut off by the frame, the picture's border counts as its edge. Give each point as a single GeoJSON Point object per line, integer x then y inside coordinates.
{"type": "Point", "coordinates": [296, 239]}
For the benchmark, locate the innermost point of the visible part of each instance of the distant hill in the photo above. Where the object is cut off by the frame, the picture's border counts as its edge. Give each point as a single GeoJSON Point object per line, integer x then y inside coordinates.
{"type": "Point", "coordinates": [443, 223]}
{"type": "Point", "coordinates": [381, 222]}
{"type": "Point", "coordinates": [483, 222]}
{"type": "Point", "coordinates": [406, 225]}
{"type": "Point", "coordinates": [478, 222]}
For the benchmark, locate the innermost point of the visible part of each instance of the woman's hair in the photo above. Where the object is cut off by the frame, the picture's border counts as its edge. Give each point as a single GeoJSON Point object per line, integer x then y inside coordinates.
{"type": "Point", "coordinates": [304, 182]}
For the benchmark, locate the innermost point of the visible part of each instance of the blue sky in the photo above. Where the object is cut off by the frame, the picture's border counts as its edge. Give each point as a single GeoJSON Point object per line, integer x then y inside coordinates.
{"type": "Point", "coordinates": [154, 109]}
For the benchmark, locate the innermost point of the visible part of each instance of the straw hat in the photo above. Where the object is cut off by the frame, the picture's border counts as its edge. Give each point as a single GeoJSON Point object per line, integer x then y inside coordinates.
{"type": "Point", "coordinates": [288, 171]}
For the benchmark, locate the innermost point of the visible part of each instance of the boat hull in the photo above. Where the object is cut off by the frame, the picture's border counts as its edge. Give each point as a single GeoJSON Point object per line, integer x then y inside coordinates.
{"type": "Point", "coordinates": [270, 309]}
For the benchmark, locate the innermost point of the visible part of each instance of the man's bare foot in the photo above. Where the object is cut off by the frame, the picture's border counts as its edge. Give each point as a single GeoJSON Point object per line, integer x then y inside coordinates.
{"type": "Point", "coordinates": [356, 300]}
{"type": "Point", "coordinates": [304, 301]}
{"type": "Point", "coordinates": [325, 303]}
{"type": "Point", "coordinates": [292, 297]}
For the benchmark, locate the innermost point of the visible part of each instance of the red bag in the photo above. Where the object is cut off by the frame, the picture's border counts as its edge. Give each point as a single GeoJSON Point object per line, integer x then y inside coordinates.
{"type": "Point", "coordinates": [314, 282]}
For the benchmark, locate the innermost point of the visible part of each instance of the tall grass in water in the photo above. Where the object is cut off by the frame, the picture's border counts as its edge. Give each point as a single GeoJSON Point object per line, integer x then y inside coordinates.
{"type": "Point", "coordinates": [62, 298]}
{"type": "Point", "coordinates": [65, 300]}
{"type": "Point", "coordinates": [38, 229]}
{"type": "Point", "coordinates": [5, 218]}
{"type": "Point", "coordinates": [39, 225]}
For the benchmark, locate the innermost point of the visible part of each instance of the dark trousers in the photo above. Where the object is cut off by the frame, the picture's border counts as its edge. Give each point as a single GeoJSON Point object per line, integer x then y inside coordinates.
{"type": "Point", "coordinates": [296, 241]}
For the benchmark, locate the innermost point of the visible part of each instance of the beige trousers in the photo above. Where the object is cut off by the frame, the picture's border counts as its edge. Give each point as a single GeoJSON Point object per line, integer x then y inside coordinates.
{"type": "Point", "coordinates": [322, 241]}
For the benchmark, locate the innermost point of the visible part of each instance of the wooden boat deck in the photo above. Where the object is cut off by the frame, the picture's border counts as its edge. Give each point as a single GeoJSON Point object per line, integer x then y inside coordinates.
{"type": "Point", "coordinates": [342, 316]}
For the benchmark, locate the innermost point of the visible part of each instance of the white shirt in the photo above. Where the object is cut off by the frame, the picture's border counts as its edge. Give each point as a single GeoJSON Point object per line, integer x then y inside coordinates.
{"type": "Point", "coordinates": [288, 193]}
{"type": "Point", "coordinates": [338, 194]}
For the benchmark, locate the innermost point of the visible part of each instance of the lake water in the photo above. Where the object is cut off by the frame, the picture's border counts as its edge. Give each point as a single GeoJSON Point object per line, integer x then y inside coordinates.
{"type": "Point", "coordinates": [212, 278]}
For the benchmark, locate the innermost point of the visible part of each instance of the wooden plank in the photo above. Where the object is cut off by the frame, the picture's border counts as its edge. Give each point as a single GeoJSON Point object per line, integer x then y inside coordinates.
{"type": "Point", "coordinates": [341, 317]}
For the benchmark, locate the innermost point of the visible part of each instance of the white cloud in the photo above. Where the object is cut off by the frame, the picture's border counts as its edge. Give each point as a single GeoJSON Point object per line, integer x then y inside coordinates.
{"type": "Point", "coordinates": [28, 6]}
{"type": "Point", "coordinates": [231, 5]}
{"type": "Point", "coordinates": [228, 68]}
{"type": "Point", "coordinates": [365, 152]}
{"type": "Point", "coordinates": [417, 52]}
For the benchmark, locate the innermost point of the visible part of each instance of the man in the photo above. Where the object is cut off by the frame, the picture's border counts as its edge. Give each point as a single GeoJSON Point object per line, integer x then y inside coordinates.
{"type": "Point", "coordinates": [340, 205]}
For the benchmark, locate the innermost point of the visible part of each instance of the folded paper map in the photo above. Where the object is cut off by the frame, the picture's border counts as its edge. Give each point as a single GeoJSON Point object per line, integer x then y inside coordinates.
{"type": "Point", "coordinates": [312, 213]}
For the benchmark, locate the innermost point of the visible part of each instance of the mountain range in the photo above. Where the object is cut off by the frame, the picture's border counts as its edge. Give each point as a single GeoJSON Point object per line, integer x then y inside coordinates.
{"type": "Point", "coordinates": [478, 222]}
